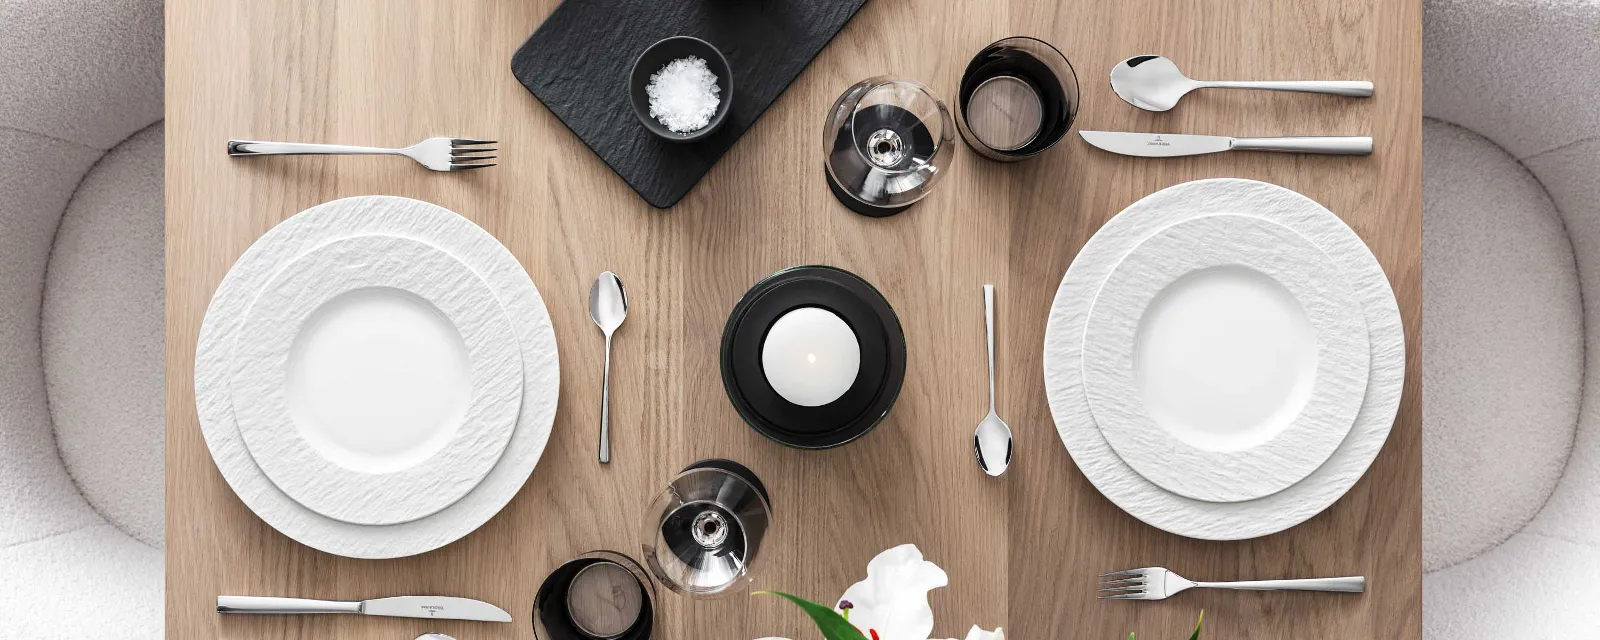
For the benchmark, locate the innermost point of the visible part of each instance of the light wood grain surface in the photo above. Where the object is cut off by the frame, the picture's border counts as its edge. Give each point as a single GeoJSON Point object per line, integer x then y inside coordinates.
{"type": "Point", "coordinates": [1022, 551]}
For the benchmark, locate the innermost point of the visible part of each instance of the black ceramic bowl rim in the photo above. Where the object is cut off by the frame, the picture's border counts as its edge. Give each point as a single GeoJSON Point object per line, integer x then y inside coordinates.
{"type": "Point", "coordinates": [842, 434]}
{"type": "Point", "coordinates": [641, 104]}
{"type": "Point", "coordinates": [961, 103]}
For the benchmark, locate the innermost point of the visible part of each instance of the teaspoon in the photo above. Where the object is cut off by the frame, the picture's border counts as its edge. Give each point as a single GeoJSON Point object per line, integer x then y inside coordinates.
{"type": "Point", "coordinates": [1154, 83]}
{"type": "Point", "coordinates": [991, 442]}
{"type": "Point", "coordinates": [608, 306]}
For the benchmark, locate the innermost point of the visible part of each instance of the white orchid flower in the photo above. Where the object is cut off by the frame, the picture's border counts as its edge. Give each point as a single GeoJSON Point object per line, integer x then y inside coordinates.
{"type": "Point", "coordinates": [892, 603]}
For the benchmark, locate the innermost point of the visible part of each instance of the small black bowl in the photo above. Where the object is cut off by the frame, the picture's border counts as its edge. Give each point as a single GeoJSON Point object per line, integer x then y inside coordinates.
{"type": "Point", "coordinates": [656, 57]}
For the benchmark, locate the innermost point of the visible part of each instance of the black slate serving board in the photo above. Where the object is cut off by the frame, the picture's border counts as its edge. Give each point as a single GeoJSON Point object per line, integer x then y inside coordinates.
{"type": "Point", "coordinates": [577, 64]}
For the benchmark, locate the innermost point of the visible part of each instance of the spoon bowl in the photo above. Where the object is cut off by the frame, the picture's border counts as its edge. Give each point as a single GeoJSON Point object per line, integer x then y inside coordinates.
{"type": "Point", "coordinates": [1152, 83]}
{"type": "Point", "coordinates": [991, 442]}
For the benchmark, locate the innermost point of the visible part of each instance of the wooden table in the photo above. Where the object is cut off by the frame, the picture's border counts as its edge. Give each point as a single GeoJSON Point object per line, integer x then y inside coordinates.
{"type": "Point", "coordinates": [1022, 551]}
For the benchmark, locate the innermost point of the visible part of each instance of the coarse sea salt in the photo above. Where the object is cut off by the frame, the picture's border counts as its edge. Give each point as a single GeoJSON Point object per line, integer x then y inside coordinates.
{"type": "Point", "coordinates": [683, 95]}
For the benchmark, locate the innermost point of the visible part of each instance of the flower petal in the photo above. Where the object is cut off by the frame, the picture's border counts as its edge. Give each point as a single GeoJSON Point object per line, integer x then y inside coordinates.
{"type": "Point", "coordinates": [976, 633]}
{"type": "Point", "coordinates": [894, 598]}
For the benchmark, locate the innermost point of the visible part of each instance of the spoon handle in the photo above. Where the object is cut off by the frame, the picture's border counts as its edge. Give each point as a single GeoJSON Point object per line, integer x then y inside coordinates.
{"type": "Point", "coordinates": [1351, 88]}
{"type": "Point", "coordinates": [605, 408]}
{"type": "Point", "coordinates": [988, 320]}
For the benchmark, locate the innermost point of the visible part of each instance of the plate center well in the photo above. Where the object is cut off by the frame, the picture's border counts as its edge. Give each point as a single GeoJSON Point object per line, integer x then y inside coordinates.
{"type": "Point", "coordinates": [1225, 358]}
{"type": "Point", "coordinates": [378, 380]}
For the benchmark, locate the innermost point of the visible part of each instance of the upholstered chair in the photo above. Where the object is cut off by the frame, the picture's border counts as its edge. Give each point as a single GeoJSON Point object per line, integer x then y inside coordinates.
{"type": "Point", "coordinates": [1511, 319]}
{"type": "Point", "coordinates": [81, 336]}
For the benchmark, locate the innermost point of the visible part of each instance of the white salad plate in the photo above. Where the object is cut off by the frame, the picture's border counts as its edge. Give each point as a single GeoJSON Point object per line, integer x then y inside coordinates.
{"type": "Point", "coordinates": [1137, 495]}
{"type": "Point", "coordinates": [223, 328]}
{"type": "Point", "coordinates": [1225, 358]}
{"type": "Point", "coordinates": [378, 380]}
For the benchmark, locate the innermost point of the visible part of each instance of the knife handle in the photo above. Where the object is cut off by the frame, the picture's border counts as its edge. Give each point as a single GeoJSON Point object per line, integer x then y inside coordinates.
{"type": "Point", "coordinates": [262, 604]}
{"type": "Point", "coordinates": [1340, 145]}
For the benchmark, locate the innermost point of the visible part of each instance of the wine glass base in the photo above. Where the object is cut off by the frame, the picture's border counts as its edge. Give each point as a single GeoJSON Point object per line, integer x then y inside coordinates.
{"type": "Point", "coordinates": [851, 203]}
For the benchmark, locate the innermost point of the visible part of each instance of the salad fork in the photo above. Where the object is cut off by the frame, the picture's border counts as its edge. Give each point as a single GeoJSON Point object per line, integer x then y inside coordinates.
{"type": "Point", "coordinates": [438, 154]}
{"type": "Point", "coordinates": [1156, 583]}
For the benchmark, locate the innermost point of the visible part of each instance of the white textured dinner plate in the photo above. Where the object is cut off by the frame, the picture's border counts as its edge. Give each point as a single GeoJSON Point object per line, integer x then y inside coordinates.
{"type": "Point", "coordinates": [1224, 358]}
{"type": "Point", "coordinates": [383, 215]}
{"type": "Point", "coordinates": [378, 380]}
{"type": "Point", "coordinates": [1134, 493]}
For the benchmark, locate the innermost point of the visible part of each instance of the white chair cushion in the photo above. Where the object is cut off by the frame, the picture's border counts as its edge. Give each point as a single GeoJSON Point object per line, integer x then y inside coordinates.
{"type": "Point", "coordinates": [1502, 347]}
{"type": "Point", "coordinates": [1520, 72]}
{"type": "Point", "coordinates": [1532, 586]}
{"type": "Point", "coordinates": [37, 498]}
{"type": "Point", "coordinates": [91, 583]}
{"type": "Point", "coordinates": [1572, 176]}
{"type": "Point", "coordinates": [103, 337]}
{"type": "Point", "coordinates": [78, 77]}
{"type": "Point", "coordinates": [1523, 74]}
{"type": "Point", "coordinates": [86, 72]}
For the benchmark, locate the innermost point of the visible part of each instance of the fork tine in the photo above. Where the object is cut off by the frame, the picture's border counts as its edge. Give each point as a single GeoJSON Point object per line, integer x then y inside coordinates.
{"type": "Point", "coordinates": [1123, 581]}
{"type": "Point", "coordinates": [1125, 572]}
{"type": "Point", "coordinates": [1125, 595]}
{"type": "Point", "coordinates": [464, 167]}
{"type": "Point", "coordinates": [468, 141]}
{"type": "Point", "coordinates": [462, 151]}
{"type": "Point", "coordinates": [1123, 587]}
{"type": "Point", "coordinates": [471, 158]}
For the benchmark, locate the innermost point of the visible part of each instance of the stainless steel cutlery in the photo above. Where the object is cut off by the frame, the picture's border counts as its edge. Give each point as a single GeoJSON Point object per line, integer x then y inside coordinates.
{"type": "Point", "coordinates": [1168, 145]}
{"type": "Point", "coordinates": [1156, 583]}
{"type": "Point", "coordinates": [608, 307]}
{"type": "Point", "coordinates": [991, 441]}
{"type": "Point", "coordinates": [1154, 83]}
{"type": "Point", "coordinates": [440, 607]}
{"type": "Point", "coordinates": [438, 154]}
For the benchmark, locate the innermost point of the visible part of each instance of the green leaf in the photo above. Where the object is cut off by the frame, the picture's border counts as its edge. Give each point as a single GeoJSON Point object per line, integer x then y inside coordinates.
{"type": "Point", "coordinates": [1197, 624]}
{"type": "Point", "coordinates": [832, 625]}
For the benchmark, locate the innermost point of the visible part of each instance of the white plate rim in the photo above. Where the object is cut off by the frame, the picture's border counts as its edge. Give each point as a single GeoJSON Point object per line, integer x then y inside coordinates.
{"type": "Point", "coordinates": [260, 364]}
{"type": "Point", "coordinates": [1237, 520]}
{"type": "Point", "coordinates": [404, 217]}
{"type": "Point", "coordinates": [1341, 377]}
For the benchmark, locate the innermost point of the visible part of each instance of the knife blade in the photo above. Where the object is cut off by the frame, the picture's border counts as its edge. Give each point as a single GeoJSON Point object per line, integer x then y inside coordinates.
{"type": "Point", "coordinates": [438, 607]}
{"type": "Point", "coordinates": [1169, 145]}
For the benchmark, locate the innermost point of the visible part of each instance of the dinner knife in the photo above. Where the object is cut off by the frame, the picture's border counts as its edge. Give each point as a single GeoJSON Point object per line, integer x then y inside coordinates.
{"type": "Point", "coordinates": [439, 607]}
{"type": "Point", "coordinates": [1168, 145]}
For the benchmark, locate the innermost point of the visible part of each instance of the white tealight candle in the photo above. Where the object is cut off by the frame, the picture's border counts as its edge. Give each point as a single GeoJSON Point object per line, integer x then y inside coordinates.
{"type": "Point", "coordinates": [811, 357]}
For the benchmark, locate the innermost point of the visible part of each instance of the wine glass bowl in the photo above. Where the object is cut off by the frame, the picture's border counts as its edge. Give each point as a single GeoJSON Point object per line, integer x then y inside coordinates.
{"type": "Point", "coordinates": [886, 142]}
{"type": "Point", "coordinates": [704, 531]}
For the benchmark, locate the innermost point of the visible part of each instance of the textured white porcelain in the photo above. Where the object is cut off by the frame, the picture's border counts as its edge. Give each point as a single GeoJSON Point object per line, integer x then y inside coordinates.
{"type": "Point", "coordinates": [1134, 493]}
{"type": "Point", "coordinates": [378, 380]}
{"type": "Point", "coordinates": [387, 216]}
{"type": "Point", "coordinates": [810, 356]}
{"type": "Point", "coordinates": [1225, 358]}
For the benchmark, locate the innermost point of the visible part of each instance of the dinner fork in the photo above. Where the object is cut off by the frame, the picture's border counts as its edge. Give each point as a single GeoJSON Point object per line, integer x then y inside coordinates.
{"type": "Point", "coordinates": [438, 154]}
{"type": "Point", "coordinates": [1156, 583]}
